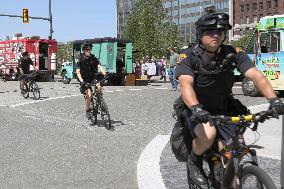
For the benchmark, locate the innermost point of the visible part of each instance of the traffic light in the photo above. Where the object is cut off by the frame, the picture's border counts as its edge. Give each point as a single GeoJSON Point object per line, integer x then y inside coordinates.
{"type": "Point", "coordinates": [25, 16]}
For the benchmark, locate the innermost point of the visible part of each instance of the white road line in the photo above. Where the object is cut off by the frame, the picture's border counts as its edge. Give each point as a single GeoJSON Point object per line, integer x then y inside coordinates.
{"type": "Point", "coordinates": [118, 90]}
{"type": "Point", "coordinates": [109, 91]}
{"type": "Point", "coordinates": [161, 88]}
{"type": "Point", "coordinates": [148, 167]}
{"type": "Point", "coordinates": [38, 101]}
{"type": "Point", "coordinates": [135, 89]}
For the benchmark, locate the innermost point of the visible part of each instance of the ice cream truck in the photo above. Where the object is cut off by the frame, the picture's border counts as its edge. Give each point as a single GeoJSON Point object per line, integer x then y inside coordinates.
{"type": "Point", "coordinates": [43, 53]}
{"type": "Point", "coordinates": [267, 53]}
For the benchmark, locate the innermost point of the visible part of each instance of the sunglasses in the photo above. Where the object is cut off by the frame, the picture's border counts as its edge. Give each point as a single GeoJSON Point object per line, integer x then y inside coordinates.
{"type": "Point", "coordinates": [214, 32]}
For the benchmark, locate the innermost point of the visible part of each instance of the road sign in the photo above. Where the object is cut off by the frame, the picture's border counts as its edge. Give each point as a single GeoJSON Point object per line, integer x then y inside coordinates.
{"type": "Point", "coordinates": [25, 16]}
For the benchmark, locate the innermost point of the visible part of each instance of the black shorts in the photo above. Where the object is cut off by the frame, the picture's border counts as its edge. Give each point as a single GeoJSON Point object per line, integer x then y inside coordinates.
{"type": "Point", "coordinates": [224, 132]}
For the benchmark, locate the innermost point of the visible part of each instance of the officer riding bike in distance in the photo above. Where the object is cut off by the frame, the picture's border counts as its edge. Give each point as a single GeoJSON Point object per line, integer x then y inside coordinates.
{"type": "Point", "coordinates": [24, 65]}
{"type": "Point", "coordinates": [87, 70]}
{"type": "Point", "coordinates": [206, 78]}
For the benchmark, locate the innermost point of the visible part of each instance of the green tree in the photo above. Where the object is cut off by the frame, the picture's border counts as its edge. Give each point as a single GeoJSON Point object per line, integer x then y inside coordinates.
{"type": "Point", "coordinates": [243, 42]}
{"type": "Point", "coordinates": [147, 28]}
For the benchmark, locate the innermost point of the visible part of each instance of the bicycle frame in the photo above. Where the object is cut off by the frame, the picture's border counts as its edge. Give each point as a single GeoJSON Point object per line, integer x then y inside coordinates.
{"type": "Point", "coordinates": [236, 152]}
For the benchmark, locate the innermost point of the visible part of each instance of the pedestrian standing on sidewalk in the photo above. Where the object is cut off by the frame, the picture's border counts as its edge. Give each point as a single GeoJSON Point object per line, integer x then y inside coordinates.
{"type": "Point", "coordinates": [173, 61]}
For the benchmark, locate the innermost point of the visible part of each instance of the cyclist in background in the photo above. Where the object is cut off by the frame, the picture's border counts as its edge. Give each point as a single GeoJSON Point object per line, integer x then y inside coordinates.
{"type": "Point", "coordinates": [24, 65]}
{"type": "Point", "coordinates": [87, 70]}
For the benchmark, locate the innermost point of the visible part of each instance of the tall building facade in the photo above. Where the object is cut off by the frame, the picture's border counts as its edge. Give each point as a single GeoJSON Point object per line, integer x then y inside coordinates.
{"type": "Point", "coordinates": [186, 12]}
{"type": "Point", "coordinates": [248, 12]}
{"type": "Point", "coordinates": [182, 12]}
{"type": "Point", "coordinates": [123, 10]}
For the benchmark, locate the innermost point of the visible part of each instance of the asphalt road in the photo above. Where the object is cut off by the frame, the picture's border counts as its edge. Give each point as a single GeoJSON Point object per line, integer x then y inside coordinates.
{"type": "Point", "coordinates": [50, 144]}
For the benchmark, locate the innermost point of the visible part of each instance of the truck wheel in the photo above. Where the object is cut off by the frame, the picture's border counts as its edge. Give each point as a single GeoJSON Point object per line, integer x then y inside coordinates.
{"type": "Point", "coordinates": [249, 89]}
{"type": "Point", "coordinates": [281, 93]}
{"type": "Point", "coordinates": [65, 80]}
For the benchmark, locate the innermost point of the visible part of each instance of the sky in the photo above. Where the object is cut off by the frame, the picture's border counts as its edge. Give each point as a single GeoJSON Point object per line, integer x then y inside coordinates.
{"type": "Point", "coordinates": [72, 19]}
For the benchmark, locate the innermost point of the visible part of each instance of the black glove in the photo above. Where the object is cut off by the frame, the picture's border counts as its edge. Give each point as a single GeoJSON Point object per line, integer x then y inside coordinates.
{"type": "Point", "coordinates": [82, 84]}
{"type": "Point", "coordinates": [277, 106]}
{"type": "Point", "coordinates": [198, 114]}
{"type": "Point", "coordinates": [106, 77]}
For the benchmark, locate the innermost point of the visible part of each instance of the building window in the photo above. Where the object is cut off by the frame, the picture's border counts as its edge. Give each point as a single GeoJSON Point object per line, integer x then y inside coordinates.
{"type": "Point", "coordinates": [247, 7]}
{"type": "Point", "coordinates": [242, 8]}
{"type": "Point", "coordinates": [247, 20]}
{"type": "Point", "coordinates": [260, 5]}
{"type": "Point", "coordinates": [241, 20]}
{"type": "Point", "coordinates": [254, 6]}
{"type": "Point", "coordinates": [269, 4]}
{"type": "Point", "coordinates": [254, 19]}
{"type": "Point", "coordinates": [260, 16]}
{"type": "Point", "coordinates": [275, 3]}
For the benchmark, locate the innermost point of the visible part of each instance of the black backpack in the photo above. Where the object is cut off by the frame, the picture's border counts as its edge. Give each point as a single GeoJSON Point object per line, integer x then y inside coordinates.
{"type": "Point", "coordinates": [181, 139]}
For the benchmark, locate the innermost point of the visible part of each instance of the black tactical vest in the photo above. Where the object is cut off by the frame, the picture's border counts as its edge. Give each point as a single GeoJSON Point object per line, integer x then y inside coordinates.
{"type": "Point", "coordinates": [89, 66]}
{"type": "Point", "coordinates": [213, 80]}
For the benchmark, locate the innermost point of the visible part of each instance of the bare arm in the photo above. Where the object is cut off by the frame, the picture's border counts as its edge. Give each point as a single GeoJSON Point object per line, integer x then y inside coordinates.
{"type": "Point", "coordinates": [261, 82]}
{"type": "Point", "coordinates": [101, 69]}
{"type": "Point", "coordinates": [187, 92]}
{"type": "Point", "coordinates": [79, 75]}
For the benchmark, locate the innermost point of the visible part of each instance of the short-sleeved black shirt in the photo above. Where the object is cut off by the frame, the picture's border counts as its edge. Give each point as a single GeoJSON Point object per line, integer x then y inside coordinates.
{"type": "Point", "coordinates": [25, 64]}
{"type": "Point", "coordinates": [88, 66]}
{"type": "Point", "coordinates": [212, 90]}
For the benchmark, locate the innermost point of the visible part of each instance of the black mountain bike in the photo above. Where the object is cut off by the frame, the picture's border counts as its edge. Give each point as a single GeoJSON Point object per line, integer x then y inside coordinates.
{"type": "Point", "coordinates": [235, 166]}
{"type": "Point", "coordinates": [30, 86]}
{"type": "Point", "coordinates": [98, 105]}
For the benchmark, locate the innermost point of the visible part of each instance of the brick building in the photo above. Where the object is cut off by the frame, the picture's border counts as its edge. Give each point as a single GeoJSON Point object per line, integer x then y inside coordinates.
{"type": "Point", "coordinates": [247, 13]}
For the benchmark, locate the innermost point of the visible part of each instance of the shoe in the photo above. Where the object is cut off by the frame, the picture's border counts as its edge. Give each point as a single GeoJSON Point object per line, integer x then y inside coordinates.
{"type": "Point", "coordinates": [196, 172]}
{"type": "Point", "coordinates": [88, 114]}
{"type": "Point", "coordinates": [174, 89]}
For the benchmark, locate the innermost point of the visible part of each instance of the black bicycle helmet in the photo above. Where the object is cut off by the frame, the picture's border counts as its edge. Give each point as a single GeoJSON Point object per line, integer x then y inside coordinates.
{"type": "Point", "coordinates": [87, 46]}
{"type": "Point", "coordinates": [212, 21]}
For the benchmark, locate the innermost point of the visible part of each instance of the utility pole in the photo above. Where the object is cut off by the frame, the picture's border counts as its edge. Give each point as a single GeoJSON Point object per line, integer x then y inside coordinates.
{"type": "Point", "coordinates": [282, 156]}
{"type": "Point", "coordinates": [50, 21]}
{"type": "Point", "coordinates": [39, 18]}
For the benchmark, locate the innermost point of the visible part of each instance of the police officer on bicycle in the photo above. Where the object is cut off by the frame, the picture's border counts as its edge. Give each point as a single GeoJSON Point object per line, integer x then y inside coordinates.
{"type": "Point", "coordinates": [206, 79]}
{"type": "Point", "coordinates": [87, 70]}
{"type": "Point", "coordinates": [24, 65]}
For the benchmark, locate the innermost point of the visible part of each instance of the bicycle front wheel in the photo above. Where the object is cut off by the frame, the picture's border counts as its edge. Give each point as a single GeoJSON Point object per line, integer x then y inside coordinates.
{"type": "Point", "coordinates": [94, 112]}
{"type": "Point", "coordinates": [254, 177]}
{"type": "Point", "coordinates": [35, 90]}
{"type": "Point", "coordinates": [105, 114]}
{"type": "Point", "coordinates": [25, 91]}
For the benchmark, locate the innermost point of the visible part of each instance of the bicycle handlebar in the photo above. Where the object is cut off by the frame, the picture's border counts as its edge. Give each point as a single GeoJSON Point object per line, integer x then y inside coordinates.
{"type": "Point", "coordinates": [251, 118]}
{"type": "Point", "coordinates": [94, 82]}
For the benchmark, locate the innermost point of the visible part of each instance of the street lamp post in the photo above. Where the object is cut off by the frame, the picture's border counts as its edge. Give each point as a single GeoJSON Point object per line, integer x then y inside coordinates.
{"type": "Point", "coordinates": [282, 156]}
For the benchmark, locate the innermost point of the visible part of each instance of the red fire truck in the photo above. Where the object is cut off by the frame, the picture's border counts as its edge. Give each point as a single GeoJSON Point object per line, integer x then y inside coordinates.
{"type": "Point", "coordinates": [43, 52]}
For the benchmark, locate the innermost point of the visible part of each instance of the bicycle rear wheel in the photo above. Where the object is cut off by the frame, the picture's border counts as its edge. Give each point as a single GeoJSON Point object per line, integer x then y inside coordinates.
{"type": "Point", "coordinates": [25, 91]}
{"type": "Point", "coordinates": [35, 90]}
{"type": "Point", "coordinates": [254, 177]}
{"type": "Point", "coordinates": [105, 114]}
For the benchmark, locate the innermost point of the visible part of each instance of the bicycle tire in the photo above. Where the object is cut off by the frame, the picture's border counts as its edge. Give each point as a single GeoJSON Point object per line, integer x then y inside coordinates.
{"type": "Point", "coordinates": [261, 175]}
{"type": "Point", "coordinates": [105, 114]}
{"type": "Point", "coordinates": [35, 90]}
{"type": "Point", "coordinates": [25, 91]}
{"type": "Point", "coordinates": [94, 113]}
